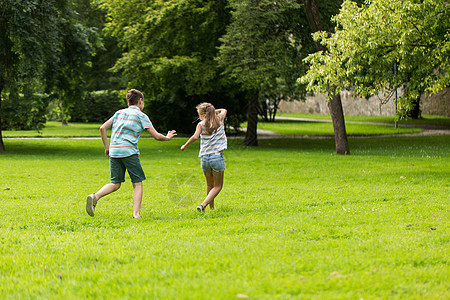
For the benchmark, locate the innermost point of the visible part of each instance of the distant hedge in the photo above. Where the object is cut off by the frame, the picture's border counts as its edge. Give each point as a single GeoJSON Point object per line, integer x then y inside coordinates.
{"type": "Point", "coordinates": [17, 115]}
{"type": "Point", "coordinates": [97, 106]}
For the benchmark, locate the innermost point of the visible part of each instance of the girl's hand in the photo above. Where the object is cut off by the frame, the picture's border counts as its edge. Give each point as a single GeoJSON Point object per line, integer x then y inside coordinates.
{"type": "Point", "coordinates": [183, 147]}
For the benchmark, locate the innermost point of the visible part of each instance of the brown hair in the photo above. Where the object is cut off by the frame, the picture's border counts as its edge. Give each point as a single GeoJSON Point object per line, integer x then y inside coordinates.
{"type": "Point", "coordinates": [133, 96]}
{"type": "Point", "coordinates": [212, 121]}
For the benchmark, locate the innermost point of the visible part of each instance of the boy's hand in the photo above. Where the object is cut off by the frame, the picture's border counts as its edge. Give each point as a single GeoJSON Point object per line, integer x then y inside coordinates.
{"type": "Point", "coordinates": [107, 152]}
{"type": "Point", "coordinates": [171, 134]}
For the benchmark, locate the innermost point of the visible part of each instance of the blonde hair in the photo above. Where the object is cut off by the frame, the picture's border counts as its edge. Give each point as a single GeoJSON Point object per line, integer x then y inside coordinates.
{"type": "Point", "coordinates": [212, 122]}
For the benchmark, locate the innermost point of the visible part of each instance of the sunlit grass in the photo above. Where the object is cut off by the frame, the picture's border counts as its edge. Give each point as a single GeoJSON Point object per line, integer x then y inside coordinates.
{"type": "Point", "coordinates": [305, 128]}
{"type": "Point", "coordinates": [426, 119]}
{"type": "Point", "coordinates": [56, 129]}
{"type": "Point", "coordinates": [294, 221]}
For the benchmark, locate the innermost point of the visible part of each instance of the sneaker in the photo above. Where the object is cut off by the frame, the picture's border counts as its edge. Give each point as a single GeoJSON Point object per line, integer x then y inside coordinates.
{"type": "Point", "coordinates": [200, 208]}
{"type": "Point", "coordinates": [91, 202]}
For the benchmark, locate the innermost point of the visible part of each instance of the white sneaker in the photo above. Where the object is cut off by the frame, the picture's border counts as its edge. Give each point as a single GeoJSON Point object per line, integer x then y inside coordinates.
{"type": "Point", "coordinates": [91, 202]}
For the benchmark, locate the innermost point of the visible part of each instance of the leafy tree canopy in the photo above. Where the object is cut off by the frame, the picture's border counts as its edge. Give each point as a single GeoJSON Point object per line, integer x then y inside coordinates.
{"type": "Point", "coordinates": [43, 50]}
{"type": "Point", "coordinates": [169, 49]}
{"type": "Point", "coordinates": [371, 39]}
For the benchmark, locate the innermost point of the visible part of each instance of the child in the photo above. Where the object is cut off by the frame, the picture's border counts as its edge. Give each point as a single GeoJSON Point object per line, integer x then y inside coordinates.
{"type": "Point", "coordinates": [213, 143]}
{"type": "Point", "coordinates": [127, 125]}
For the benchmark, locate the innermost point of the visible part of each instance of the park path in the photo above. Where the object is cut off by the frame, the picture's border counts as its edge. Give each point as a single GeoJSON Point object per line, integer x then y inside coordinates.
{"type": "Point", "coordinates": [428, 130]}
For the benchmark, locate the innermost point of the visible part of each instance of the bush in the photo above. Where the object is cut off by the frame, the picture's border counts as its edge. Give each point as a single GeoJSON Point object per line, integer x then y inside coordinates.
{"type": "Point", "coordinates": [179, 113]}
{"type": "Point", "coordinates": [97, 106]}
{"type": "Point", "coordinates": [24, 112]}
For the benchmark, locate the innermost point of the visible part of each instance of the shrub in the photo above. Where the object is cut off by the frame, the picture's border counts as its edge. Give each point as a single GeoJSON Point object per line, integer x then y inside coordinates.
{"type": "Point", "coordinates": [97, 106]}
{"type": "Point", "coordinates": [24, 112]}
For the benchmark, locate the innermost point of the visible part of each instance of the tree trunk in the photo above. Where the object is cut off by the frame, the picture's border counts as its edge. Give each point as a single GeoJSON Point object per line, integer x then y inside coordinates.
{"type": "Point", "coordinates": [312, 15]}
{"type": "Point", "coordinates": [337, 116]}
{"type": "Point", "coordinates": [335, 105]}
{"type": "Point", "coordinates": [2, 146]}
{"type": "Point", "coordinates": [63, 115]}
{"type": "Point", "coordinates": [251, 136]}
{"type": "Point", "coordinates": [415, 112]}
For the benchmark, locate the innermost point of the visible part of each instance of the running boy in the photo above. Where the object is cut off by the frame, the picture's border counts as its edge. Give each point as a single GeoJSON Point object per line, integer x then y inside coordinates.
{"type": "Point", "coordinates": [213, 142]}
{"type": "Point", "coordinates": [127, 125]}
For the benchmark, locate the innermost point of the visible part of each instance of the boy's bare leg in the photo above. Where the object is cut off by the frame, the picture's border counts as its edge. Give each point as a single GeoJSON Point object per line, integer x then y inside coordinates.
{"type": "Point", "coordinates": [218, 183]}
{"type": "Point", "coordinates": [137, 199]}
{"type": "Point", "coordinates": [91, 201]}
{"type": "Point", "coordinates": [209, 185]}
{"type": "Point", "coordinates": [106, 190]}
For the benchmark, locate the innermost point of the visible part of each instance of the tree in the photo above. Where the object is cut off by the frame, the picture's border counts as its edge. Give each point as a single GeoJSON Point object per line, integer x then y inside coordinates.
{"type": "Point", "coordinates": [373, 39]}
{"type": "Point", "coordinates": [169, 50]}
{"type": "Point", "coordinates": [77, 44]}
{"type": "Point", "coordinates": [26, 28]}
{"type": "Point", "coordinates": [100, 76]}
{"type": "Point", "coordinates": [334, 104]}
{"type": "Point", "coordinates": [264, 46]}
{"type": "Point", "coordinates": [261, 51]}
{"type": "Point", "coordinates": [33, 38]}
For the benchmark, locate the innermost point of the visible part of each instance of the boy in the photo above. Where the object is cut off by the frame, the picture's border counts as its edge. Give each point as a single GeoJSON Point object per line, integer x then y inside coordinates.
{"type": "Point", "coordinates": [127, 125]}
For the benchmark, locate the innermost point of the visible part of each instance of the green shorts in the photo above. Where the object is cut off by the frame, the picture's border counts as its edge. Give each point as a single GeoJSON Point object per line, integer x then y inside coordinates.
{"type": "Point", "coordinates": [130, 163]}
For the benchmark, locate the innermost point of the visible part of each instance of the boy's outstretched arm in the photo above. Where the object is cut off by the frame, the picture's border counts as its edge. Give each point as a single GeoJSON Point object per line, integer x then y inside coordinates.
{"type": "Point", "coordinates": [194, 137]}
{"type": "Point", "coordinates": [160, 137]}
{"type": "Point", "coordinates": [103, 134]}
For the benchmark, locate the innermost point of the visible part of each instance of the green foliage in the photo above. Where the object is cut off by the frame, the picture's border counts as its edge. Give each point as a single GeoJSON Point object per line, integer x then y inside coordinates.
{"type": "Point", "coordinates": [43, 48]}
{"type": "Point", "coordinates": [169, 49]}
{"type": "Point", "coordinates": [24, 112]}
{"type": "Point", "coordinates": [373, 225]}
{"type": "Point", "coordinates": [262, 48]}
{"type": "Point", "coordinates": [65, 79]}
{"type": "Point", "coordinates": [265, 43]}
{"type": "Point", "coordinates": [383, 45]}
{"type": "Point", "coordinates": [98, 106]}
{"type": "Point", "coordinates": [100, 76]}
{"type": "Point", "coordinates": [28, 30]}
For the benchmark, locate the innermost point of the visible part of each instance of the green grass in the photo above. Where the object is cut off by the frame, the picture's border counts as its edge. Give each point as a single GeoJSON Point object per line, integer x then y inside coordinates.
{"type": "Point", "coordinates": [294, 221]}
{"type": "Point", "coordinates": [302, 128]}
{"type": "Point", "coordinates": [305, 128]}
{"type": "Point", "coordinates": [55, 129]}
{"type": "Point", "coordinates": [426, 120]}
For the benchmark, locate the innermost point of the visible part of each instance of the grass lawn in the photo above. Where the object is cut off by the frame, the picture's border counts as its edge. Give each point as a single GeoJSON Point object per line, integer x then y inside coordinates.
{"type": "Point", "coordinates": [306, 128]}
{"type": "Point", "coordinates": [55, 129]}
{"type": "Point", "coordinates": [284, 127]}
{"type": "Point", "coordinates": [426, 119]}
{"type": "Point", "coordinates": [294, 221]}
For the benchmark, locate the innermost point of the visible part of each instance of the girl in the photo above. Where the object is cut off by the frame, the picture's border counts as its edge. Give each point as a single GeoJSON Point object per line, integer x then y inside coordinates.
{"type": "Point", "coordinates": [213, 141]}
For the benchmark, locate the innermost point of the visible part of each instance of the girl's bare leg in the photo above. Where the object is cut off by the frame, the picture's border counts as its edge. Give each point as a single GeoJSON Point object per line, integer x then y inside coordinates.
{"type": "Point", "coordinates": [209, 185]}
{"type": "Point", "coordinates": [137, 199]}
{"type": "Point", "coordinates": [217, 179]}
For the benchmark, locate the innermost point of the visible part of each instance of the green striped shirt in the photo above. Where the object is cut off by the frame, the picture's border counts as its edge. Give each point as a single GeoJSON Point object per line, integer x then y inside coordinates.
{"type": "Point", "coordinates": [127, 126]}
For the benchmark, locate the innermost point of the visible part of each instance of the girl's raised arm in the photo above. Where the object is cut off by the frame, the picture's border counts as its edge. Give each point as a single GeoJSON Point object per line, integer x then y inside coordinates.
{"type": "Point", "coordinates": [221, 113]}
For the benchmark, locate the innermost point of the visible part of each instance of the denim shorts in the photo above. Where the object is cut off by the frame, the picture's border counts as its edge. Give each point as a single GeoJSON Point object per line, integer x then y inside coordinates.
{"type": "Point", "coordinates": [130, 163]}
{"type": "Point", "coordinates": [213, 162]}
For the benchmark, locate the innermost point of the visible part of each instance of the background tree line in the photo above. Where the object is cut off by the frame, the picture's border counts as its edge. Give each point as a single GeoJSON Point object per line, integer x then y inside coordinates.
{"type": "Point", "coordinates": [76, 58]}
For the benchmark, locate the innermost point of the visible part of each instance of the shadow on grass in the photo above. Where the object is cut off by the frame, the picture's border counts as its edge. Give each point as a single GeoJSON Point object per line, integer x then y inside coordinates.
{"type": "Point", "coordinates": [52, 148]}
{"type": "Point", "coordinates": [380, 146]}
